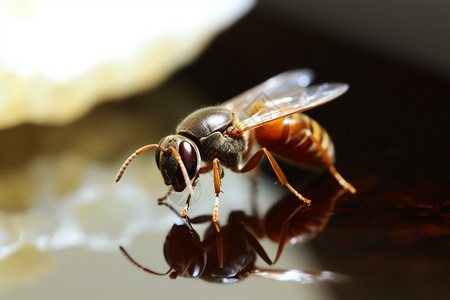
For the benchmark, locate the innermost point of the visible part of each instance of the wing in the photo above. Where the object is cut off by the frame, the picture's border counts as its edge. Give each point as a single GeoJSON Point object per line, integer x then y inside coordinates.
{"type": "Point", "coordinates": [265, 111]}
{"type": "Point", "coordinates": [305, 277]}
{"type": "Point", "coordinates": [279, 86]}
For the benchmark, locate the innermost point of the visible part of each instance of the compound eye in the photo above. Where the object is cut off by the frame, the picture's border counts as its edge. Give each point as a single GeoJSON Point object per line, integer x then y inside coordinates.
{"type": "Point", "coordinates": [170, 167]}
{"type": "Point", "coordinates": [189, 158]}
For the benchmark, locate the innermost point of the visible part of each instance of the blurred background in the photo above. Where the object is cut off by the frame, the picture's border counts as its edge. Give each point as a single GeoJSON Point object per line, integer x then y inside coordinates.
{"type": "Point", "coordinates": [84, 85]}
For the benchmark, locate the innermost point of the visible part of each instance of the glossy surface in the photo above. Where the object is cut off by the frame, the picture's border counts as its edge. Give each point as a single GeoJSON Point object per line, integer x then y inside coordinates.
{"type": "Point", "coordinates": [205, 121]}
{"type": "Point", "coordinates": [230, 256]}
{"type": "Point", "coordinates": [390, 131]}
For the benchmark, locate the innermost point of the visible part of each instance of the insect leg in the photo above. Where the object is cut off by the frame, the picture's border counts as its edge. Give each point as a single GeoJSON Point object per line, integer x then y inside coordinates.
{"type": "Point", "coordinates": [217, 184]}
{"type": "Point", "coordinates": [287, 221]}
{"type": "Point", "coordinates": [284, 230]}
{"type": "Point", "coordinates": [217, 171]}
{"type": "Point", "coordinates": [256, 159]}
{"type": "Point", "coordinates": [344, 183]}
{"type": "Point", "coordinates": [187, 180]}
{"type": "Point", "coordinates": [188, 200]}
{"type": "Point", "coordinates": [161, 200]}
{"type": "Point", "coordinates": [257, 247]}
{"type": "Point", "coordinates": [202, 170]}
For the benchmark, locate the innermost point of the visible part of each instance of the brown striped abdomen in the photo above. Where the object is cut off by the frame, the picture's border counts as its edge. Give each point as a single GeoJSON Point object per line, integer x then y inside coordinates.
{"type": "Point", "coordinates": [288, 138]}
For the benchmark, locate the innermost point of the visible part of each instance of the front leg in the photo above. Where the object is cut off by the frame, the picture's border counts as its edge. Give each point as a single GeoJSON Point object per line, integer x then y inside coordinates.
{"type": "Point", "coordinates": [217, 171]}
{"type": "Point", "coordinates": [188, 200]}
{"type": "Point", "coordinates": [202, 170]}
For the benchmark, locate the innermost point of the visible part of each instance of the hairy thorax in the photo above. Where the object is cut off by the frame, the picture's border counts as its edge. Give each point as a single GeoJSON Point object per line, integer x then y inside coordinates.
{"type": "Point", "coordinates": [220, 145]}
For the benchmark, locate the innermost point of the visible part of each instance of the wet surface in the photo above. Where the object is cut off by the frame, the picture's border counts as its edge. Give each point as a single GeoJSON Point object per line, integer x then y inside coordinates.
{"type": "Point", "coordinates": [391, 136]}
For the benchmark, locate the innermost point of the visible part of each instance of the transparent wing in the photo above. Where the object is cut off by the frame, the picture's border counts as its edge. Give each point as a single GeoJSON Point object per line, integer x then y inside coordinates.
{"type": "Point", "coordinates": [279, 86]}
{"type": "Point", "coordinates": [266, 110]}
{"type": "Point", "coordinates": [305, 277]}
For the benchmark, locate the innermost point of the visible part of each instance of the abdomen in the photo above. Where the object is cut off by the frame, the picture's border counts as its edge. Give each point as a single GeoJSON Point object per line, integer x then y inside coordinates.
{"type": "Point", "coordinates": [288, 138]}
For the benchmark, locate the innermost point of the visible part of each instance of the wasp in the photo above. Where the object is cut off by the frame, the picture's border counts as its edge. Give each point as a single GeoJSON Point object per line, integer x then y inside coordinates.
{"type": "Point", "coordinates": [269, 115]}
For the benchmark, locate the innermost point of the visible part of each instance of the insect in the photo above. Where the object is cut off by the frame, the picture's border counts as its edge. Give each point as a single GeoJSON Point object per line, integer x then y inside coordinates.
{"type": "Point", "coordinates": [222, 136]}
{"type": "Point", "coordinates": [228, 261]}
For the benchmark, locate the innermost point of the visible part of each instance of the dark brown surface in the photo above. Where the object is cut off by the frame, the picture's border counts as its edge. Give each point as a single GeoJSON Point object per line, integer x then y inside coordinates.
{"type": "Point", "coordinates": [391, 136]}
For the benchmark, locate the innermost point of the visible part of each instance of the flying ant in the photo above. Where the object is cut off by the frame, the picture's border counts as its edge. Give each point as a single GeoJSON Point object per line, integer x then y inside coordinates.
{"type": "Point", "coordinates": [222, 136]}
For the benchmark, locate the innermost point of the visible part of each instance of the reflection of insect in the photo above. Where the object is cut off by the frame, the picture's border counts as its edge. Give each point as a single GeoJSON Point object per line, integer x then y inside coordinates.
{"type": "Point", "coordinates": [228, 261]}
{"type": "Point", "coordinates": [216, 136]}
